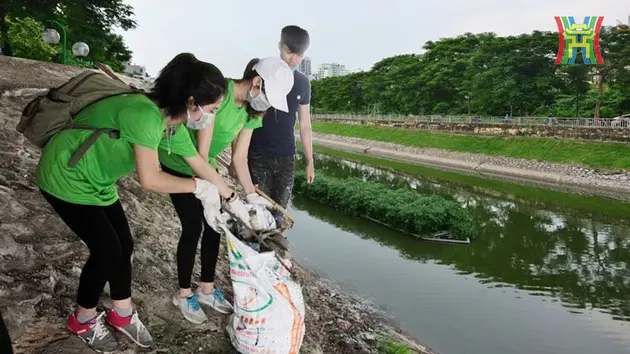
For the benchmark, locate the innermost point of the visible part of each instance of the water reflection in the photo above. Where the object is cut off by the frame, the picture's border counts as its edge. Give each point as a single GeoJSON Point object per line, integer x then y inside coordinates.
{"type": "Point", "coordinates": [580, 261]}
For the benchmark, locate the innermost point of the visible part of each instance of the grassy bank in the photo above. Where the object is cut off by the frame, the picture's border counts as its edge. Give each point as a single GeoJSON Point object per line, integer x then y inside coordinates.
{"type": "Point", "coordinates": [591, 154]}
{"type": "Point", "coordinates": [585, 204]}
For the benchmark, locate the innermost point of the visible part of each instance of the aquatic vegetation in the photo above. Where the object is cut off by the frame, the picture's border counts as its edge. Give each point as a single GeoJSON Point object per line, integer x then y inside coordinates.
{"type": "Point", "coordinates": [401, 208]}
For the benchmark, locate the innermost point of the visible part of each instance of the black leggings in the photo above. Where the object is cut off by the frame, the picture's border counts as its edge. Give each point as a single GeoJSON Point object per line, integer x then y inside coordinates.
{"type": "Point", "coordinates": [5, 340]}
{"type": "Point", "coordinates": [105, 231]}
{"type": "Point", "coordinates": [194, 225]}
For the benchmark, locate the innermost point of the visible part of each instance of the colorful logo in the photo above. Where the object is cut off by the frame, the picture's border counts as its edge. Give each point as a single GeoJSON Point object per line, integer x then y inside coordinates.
{"type": "Point", "coordinates": [582, 36]}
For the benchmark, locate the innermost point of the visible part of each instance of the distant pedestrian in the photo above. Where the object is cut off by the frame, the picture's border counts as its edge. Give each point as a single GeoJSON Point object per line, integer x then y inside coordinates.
{"type": "Point", "coordinates": [271, 155]}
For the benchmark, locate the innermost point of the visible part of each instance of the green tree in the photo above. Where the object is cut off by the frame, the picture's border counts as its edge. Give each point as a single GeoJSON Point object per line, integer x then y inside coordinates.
{"type": "Point", "coordinates": [25, 37]}
{"type": "Point", "coordinates": [90, 21]}
{"type": "Point", "coordinates": [486, 74]}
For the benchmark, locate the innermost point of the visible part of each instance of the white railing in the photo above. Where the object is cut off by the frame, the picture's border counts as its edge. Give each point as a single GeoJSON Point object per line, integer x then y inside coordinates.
{"type": "Point", "coordinates": [437, 119]}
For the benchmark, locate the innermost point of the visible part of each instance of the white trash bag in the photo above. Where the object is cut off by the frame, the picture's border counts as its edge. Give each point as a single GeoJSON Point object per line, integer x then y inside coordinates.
{"type": "Point", "coordinates": [268, 306]}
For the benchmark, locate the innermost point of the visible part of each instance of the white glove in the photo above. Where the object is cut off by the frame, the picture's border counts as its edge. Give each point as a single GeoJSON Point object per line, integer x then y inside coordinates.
{"type": "Point", "coordinates": [237, 207]}
{"type": "Point", "coordinates": [207, 192]}
{"type": "Point", "coordinates": [255, 198]}
{"type": "Point", "coordinates": [261, 218]}
{"type": "Point", "coordinates": [212, 214]}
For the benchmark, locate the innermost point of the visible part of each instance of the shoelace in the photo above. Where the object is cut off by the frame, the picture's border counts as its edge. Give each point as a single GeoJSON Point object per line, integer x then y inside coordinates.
{"type": "Point", "coordinates": [192, 303]}
{"type": "Point", "coordinates": [100, 331]}
{"type": "Point", "coordinates": [218, 294]}
{"type": "Point", "coordinates": [135, 320]}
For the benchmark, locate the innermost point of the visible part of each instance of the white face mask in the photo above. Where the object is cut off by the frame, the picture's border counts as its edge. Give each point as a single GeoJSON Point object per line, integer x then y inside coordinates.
{"type": "Point", "coordinates": [204, 121]}
{"type": "Point", "coordinates": [258, 103]}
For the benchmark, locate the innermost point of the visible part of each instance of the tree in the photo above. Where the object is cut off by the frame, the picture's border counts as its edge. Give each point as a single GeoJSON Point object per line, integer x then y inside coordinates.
{"type": "Point", "coordinates": [90, 21]}
{"type": "Point", "coordinates": [25, 39]}
{"type": "Point", "coordinates": [487, 75]}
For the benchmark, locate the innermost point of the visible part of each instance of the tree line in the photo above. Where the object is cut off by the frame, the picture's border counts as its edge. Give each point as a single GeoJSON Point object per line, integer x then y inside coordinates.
{"type": "Point", "coordinates": [489, 75]}
{"type": "Point", "coordinates": [22, 23]}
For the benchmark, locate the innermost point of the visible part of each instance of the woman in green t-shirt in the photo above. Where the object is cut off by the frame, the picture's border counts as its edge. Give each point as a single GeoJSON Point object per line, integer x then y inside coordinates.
{"type": "Point", "coordinates": [85, 196]}
{"type": "Point", "coordinates": [265, 84]}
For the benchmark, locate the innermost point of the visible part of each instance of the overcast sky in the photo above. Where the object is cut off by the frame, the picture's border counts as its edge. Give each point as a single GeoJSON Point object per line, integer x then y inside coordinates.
{"type": "Point", "coordinates": [356, 33]}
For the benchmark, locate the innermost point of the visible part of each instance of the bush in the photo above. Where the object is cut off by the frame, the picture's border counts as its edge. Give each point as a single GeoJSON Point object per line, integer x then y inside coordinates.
{"type": "Point", "coordinates": [404, 209]}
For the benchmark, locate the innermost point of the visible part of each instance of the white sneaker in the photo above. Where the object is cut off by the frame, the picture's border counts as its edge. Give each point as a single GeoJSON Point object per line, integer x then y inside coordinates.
{"type": "Point", "coordinates": [216, 300]}
{"type": "Point", "coordinates": [190, 308]}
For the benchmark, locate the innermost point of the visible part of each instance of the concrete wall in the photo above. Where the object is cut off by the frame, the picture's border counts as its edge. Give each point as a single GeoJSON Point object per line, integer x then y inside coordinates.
{"type": "Point", "coordinates": [550, 131]}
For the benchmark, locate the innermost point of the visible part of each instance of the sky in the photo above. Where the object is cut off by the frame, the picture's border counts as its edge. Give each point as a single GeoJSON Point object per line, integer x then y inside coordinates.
{"type": "Point", "coordinates": [355, 33]}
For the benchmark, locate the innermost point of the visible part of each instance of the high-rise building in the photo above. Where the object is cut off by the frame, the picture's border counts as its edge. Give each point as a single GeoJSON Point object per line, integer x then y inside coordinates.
{"type": "Point", "coordinates": [332, 70]}
{"type": "Point", "coordinates": [305, 66]}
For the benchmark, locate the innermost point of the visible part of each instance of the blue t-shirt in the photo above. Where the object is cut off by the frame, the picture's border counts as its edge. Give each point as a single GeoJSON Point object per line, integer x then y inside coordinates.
{"type": "Point", "coordinates": [277, 135]}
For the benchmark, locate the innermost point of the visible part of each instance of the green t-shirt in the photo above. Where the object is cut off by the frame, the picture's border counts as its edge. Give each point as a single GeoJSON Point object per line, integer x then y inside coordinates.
{"type": "Point", "coordinates": [229, 121]}
{"type": "Point", "coordinates": [93, 180]}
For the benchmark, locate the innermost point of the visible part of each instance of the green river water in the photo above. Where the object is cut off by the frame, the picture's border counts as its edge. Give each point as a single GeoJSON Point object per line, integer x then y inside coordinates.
{"type": "Point", "coordinates": [537, 279]}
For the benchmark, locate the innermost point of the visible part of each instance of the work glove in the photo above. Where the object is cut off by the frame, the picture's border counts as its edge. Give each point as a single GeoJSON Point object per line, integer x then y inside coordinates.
{"type": "Point", "coordinates": [257, 199]}
{"type": "Point", "coordinates": [207, 192]}
{"type": "Point", "coordinates": [237, 207]}
{"type": "Point", "coordinates": [261, 218]}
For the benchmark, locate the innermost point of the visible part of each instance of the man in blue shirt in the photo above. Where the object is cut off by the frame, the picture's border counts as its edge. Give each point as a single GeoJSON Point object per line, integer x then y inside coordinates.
{"type": "Point", "coordinates": [272, 148]}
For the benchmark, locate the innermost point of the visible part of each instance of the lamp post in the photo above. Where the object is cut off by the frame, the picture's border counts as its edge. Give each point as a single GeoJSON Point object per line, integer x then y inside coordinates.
{"type": "Point", "coordinates": [51, 36]}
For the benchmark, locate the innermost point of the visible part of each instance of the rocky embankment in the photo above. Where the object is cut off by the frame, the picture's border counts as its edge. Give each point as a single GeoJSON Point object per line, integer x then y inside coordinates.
{"type": "Point", "coordinates": [570, 178]}
{"type": "Point", "coordinates": [40, 259]}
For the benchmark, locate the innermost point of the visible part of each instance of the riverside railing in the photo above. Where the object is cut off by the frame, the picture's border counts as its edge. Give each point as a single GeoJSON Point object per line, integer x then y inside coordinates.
{"type": "Point", "coordinates": [437, 119]}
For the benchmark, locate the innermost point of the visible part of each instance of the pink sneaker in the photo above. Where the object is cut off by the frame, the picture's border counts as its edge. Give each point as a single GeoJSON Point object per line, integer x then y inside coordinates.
{"type": "Point", "coordinates": [131, 327]}
{"type": "Point", "coordinates": [94, 333]}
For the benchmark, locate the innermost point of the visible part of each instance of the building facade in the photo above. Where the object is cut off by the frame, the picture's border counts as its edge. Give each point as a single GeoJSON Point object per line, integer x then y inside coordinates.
{"type": "Point", "coordinates": [332, 70]}
{"type": "Point", "coordinates": [305, 67]}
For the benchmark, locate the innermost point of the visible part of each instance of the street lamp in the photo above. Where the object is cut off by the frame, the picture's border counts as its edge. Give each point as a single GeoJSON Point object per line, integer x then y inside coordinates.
{"type": "Point", "coordinates": [52, 37]}
{"type": "Point", "coordinates": [80, 49]}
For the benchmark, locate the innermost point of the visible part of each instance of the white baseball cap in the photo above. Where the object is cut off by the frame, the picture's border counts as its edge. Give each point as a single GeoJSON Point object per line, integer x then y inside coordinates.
{"type": "Point", "coordinates": [277, 79]}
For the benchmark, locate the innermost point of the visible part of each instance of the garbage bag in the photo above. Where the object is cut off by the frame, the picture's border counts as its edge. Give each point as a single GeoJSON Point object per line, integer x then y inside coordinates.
{"type": "Point", "coordinates": [268, 305]}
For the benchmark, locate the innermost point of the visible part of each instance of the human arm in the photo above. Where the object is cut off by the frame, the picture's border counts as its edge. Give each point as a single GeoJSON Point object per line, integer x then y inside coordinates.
{"type": "Point", "coordinates": [306, 135]}
{"type": "Point", "coordinates": [153, 179]}
{"type": "Point", "coordinates": [239, 160]}
{"type": "Point", "coordinates": [204, 140]}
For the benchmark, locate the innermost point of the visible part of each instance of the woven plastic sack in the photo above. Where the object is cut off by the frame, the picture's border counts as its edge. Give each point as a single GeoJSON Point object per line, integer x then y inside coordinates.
{"type": "Point", "coordinates": [268, 306]}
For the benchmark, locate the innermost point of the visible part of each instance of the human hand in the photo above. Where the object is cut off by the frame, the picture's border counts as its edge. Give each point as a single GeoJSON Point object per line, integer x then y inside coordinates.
{"type": "Point", "coordinates": [207, 192]}
{"type": "Point", "coordinates": [255, 198]}
{"type": "Point", "coordinates": [310, 171]}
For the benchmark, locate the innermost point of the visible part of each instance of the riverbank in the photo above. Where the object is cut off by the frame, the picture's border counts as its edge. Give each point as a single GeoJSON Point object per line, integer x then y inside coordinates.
{"type": "Point", "coordinates": [557, 176]}
{"type": "Point", "coordinates": [591, 154]}
{"type": "Point", "coordinates": [40, 261]}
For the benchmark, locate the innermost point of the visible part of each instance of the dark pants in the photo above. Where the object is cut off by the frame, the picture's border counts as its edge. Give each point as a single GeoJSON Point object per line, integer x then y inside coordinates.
{"type": "Point", "coordinates": [194, 225]}
{"type": "Point", "coordinates": [105, 231]}
{"type": "Point", "coordinates": [5, 339]}
{"type": "Point", "coordinates": [273, 175]}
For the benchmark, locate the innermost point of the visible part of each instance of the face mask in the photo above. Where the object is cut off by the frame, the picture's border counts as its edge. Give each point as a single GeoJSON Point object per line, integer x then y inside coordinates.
{"type": "Point", "coordinates": [206, 118]}
{"type": "Point", "coordinates": [258, 103]}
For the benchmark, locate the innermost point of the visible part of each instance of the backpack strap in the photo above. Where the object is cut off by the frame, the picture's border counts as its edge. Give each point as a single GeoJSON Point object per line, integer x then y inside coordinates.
{"type": "Point", "coordinates": [113, 133]}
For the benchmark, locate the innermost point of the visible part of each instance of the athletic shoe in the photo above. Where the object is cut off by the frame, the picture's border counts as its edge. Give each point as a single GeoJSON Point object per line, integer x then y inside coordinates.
{"type": "Point", "coordinates": [190, 308]}
{"type": "Point", "coordinates": [130, 326]}
{"type": "Point", "coordinates": [94, 333]}
{"type": "Point", "coordinates": [216, 300]}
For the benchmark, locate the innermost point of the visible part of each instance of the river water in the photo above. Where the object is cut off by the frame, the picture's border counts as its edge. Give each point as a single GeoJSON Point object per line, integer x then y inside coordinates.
{"type": "Point", "coordinates": [535, 280]}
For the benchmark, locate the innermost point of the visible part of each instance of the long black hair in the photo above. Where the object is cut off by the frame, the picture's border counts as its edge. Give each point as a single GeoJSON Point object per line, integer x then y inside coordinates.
{"type": "Point", "coordinates": [185, 76]}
